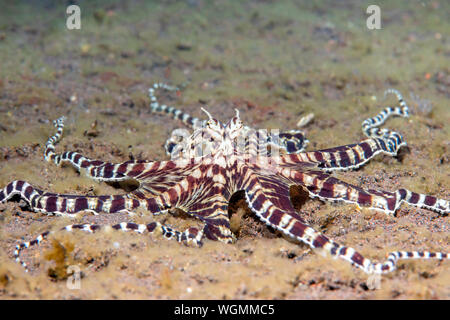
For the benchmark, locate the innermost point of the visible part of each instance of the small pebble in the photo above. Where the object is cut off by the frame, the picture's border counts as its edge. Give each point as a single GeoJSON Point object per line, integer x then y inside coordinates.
{"type": "Point", "coordinates": [305, 120]}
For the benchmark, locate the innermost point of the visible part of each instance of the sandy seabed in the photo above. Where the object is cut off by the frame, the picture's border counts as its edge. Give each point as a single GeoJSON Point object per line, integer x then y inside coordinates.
{"type": "Point", "coordinates": [273, 60]}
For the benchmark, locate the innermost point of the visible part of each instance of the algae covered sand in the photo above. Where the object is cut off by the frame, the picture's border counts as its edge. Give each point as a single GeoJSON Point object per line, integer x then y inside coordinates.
{"type": "Point", "coordinates": [275, 61]}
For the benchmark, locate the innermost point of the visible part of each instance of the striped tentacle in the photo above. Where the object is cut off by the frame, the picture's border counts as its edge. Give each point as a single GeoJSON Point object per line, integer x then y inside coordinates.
{"type": "Point", "coordinates": [201, 193]}
{"type": "Point", "coordinates": [390, 141]}
{"type": "Point", "coordinates": [321, 185]}
{"type": "Point", "coordinates": [96, 169]}
{"type": "Point", "coordinates": [22, 188]}
{"type": "Point", "coordinates": [390, 264]}
{"type": "Point", "coordinates": [53, 203]}
{"type": "Point", "coordinates": [49, 152]}
{"type": "Point", "coordinates": [370, 126]}
{"type": "Point", "coordinates": [285, 222]}
{"type": "Point", "coordinates": [28, 244]}
{"type": "Point", "coordinates": [268, 196]}
{"type": "Point", "coordinates": [169, 179]}
{"type": "Point", "coordinates": [190, 236]}
{"type": "Point", "coordinates": [288, 142]}
{"type": "Point", "coordinates": [346, 157]}
{"type": "Point", "coordinates": [317, 240]}
{"type": "Point", "coordinates": [171, 111]}
{"type": "Point", "coordinates": [269, 199]}
{"type": "Point", "coordinates": [178, 135]}
{"type": "Point", "coordinates": [354, 156]}
{"type": "Point", "coordinates": [262, 142]}
{"type": "Point", "coordinates": [293, 141]}
{"type": "Point", "coordinates": [188, 191]}
{"type": "Point", "coordinates": [212, 209]}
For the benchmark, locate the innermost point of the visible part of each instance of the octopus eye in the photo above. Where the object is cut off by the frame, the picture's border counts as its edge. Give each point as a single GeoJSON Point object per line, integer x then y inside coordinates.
{"type": "Point", "coordinates": [237, 122]}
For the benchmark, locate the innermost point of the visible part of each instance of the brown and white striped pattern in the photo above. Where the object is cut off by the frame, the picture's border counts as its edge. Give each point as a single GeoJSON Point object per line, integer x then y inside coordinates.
{"type": "Point", "coordinates": [155, 106]}
{"type": "Point", "coordinates": [268, 197]}
{"type": "Point", "coordinates": [353, 156]}
{"type": "Point", "coordinates": [292, 141]}
{"type": "Point", "coordinates": [202, 183]}
{"type": "Point", "coordinates": [190, 236]}
{"type": "Point", "coordinates": [370, 126]}
{"type": "Point", "coordinates": [60, 204]}
{"type": "Point", "coordinates": [346, 157]}
{"type": "Point", "coordinates": [321, 185]}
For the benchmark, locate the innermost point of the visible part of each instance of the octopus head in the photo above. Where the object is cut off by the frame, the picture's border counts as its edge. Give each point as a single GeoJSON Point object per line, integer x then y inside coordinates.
{"type": "Point", "coordinates": [219, 137]}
